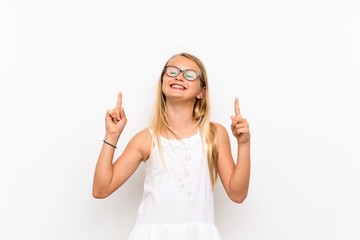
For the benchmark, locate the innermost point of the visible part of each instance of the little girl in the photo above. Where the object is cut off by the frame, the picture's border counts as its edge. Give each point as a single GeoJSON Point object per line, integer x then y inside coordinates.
{"type": "Point", "coordinates": [182, 152]}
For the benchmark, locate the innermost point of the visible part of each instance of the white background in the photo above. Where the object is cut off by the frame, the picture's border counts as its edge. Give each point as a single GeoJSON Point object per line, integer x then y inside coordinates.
{"type": "Point", "coordinates": [293, 64]}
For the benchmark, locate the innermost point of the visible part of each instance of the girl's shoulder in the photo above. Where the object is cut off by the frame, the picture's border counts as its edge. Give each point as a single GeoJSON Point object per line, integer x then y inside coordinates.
{"type": "Point", "coordinates": [221, 131]}
{"type": "Point", "coordinates": [142, 140]}
{"type": "Point", "coordinates": [218, 126]}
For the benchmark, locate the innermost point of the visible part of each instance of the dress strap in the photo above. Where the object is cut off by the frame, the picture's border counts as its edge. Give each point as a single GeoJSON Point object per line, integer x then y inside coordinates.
{"type": "Point", "coordinates": [150, 131]}
{"type": "Point", "coordinates": [150, 157]}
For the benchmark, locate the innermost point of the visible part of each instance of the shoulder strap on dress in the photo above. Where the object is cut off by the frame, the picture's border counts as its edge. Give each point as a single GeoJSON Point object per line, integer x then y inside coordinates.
{"type": "Point", "coordinates": [150, 157]}
{"type": "Point", "coordinates": [150, 131]}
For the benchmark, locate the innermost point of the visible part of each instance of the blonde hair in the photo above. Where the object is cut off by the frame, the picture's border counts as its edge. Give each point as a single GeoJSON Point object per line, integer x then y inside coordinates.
{"type": "Point", "coordinates": [201, 114]}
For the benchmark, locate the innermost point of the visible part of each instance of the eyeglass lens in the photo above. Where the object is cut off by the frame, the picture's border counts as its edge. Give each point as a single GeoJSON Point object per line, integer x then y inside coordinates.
{"type": "Point", "coordinates": [174, 71]}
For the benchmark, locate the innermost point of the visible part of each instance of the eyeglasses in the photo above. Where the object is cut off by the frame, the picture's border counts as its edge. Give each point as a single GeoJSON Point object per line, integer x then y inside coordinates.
{"type": "Point", "coordinates": [188, 74]}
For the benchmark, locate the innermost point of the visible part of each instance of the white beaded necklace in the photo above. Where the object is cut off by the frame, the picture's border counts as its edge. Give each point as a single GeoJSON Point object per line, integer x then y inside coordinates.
{"type": "Point", "coordinates": [181, 175]}
{"type": "Point", "coordinates": [187, 156]}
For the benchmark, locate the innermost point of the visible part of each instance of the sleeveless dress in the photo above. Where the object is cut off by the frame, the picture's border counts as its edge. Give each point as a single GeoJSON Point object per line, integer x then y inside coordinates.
{"type": "Point", "coordinates": [177, 201]}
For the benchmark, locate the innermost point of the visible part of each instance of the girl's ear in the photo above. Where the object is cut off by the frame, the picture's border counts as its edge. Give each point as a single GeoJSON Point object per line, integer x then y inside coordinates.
{"type": "Point", "coordinates": [202, 93]}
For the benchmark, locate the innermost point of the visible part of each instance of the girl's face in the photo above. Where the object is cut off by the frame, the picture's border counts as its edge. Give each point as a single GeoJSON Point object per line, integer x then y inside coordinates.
{"type": "Point", "coordinates": [191, 89]}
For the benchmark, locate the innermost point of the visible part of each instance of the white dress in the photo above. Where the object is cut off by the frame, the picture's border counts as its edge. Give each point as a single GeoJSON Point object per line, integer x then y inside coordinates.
{"type": "Point", "coordinates": [178, 201]}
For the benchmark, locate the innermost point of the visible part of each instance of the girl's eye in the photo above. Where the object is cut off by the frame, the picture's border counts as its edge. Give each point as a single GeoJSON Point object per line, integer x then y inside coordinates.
{"type": "Point", "coordinates": [189, 76]}
{"type": "Point", "coordinates": [173, 73]}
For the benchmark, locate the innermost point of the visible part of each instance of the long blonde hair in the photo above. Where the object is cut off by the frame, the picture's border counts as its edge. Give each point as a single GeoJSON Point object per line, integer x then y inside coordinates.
{"type": "Point", "coordinates": [201, 114]}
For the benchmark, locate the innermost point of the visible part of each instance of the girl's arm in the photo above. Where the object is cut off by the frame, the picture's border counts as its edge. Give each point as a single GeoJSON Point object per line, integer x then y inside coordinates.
{"type": "Point", "coordinates": [235, 178]}
{"type": "Point", "coordinates": [104, 167]}
{"type": "Point", "coordinates": [108, 176]}
{"type": "Point", "coordinates": [239, 181]}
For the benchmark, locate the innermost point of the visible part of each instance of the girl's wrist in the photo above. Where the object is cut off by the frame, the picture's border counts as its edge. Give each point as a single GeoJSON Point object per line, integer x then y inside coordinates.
{"type": "Point", "coordinates": [243, 144]}
{"type": "Point", "coordinates": [112, 138]}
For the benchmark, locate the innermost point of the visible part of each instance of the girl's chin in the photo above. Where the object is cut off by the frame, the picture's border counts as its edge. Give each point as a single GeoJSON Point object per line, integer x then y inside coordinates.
{"type": "Point", "coordinates": [174, 93]}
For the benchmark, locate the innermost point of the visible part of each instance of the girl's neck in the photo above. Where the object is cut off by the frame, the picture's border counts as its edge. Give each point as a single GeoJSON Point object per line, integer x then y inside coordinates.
{"type": "Point", "coordinates": [180, 119]}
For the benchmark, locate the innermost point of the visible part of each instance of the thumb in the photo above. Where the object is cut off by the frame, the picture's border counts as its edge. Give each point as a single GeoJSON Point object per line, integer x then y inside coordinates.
{"type": "Point", "coordinates": [109, 114]}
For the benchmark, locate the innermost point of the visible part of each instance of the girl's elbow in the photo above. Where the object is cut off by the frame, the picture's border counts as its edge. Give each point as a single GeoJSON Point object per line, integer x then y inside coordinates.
{"type": "Point", "coordinates": [239, 199]}
{"type": "Point", "coordinates": [99, 194]}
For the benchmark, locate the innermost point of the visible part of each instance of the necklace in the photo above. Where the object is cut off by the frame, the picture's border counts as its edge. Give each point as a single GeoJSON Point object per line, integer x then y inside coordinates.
{"type": "Point", "coordinates": [179, 169]}
{"type": "Point", "coordinates": [187, 155]}
{"type": "Point", "coordinates": [184, 142]}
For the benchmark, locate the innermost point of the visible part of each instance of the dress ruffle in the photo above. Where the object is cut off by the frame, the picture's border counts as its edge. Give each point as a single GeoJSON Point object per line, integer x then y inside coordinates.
{"type": "Point", "coordinates": [175, 145]}
{"type": "Point", "coordinates": [187, 231]}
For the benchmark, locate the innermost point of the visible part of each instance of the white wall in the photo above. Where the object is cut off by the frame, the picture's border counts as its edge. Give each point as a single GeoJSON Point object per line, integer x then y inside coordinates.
{"type": "Point", "coordinates": [293, 64]}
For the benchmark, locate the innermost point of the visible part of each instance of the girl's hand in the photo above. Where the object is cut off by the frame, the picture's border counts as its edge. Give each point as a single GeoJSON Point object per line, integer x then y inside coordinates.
{"type": "Point", "coordinates": [115, 120]}
{"type": "Point", "coordinates": [239, 125]}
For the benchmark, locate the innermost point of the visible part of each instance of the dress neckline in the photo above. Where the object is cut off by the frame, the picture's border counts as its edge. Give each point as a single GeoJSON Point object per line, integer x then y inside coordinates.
{"type": "Point", "coordinates": [186, 138]}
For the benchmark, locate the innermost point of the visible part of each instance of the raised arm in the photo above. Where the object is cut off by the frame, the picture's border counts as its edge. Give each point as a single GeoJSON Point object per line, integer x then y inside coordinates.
{"type": "Point", "coordinates": [108, 176]}
{"type": "Point", "coordinates": [235, 178]}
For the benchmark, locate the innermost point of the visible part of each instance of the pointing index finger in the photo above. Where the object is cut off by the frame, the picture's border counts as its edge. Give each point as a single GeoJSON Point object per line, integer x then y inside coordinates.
{"type": "Point", "coordinates": [237, 108]}
{"type": "Point", "coordinates": [119, 100]}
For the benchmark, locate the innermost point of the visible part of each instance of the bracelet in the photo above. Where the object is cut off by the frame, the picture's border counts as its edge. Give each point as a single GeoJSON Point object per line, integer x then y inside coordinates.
{"type": "Point", "coordinates": [109, 144]}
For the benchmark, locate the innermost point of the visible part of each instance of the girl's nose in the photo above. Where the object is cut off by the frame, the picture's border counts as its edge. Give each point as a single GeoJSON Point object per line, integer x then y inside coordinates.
{"type": "Point", "coordinates": [180, 77]}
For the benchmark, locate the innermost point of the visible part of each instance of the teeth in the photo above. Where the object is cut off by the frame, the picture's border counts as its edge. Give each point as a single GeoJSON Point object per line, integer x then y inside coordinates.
{"type": "Point", "coordinates": [177, 86]}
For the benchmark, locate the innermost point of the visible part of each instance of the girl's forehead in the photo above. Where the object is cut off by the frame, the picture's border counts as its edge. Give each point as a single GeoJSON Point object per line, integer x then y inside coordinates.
{"type": "Point", "coordinates": [184, 63]}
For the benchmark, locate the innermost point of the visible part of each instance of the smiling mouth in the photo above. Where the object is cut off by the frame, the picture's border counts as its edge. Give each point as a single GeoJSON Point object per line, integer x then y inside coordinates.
{"type": "Point", "coordinates": [176, 86]}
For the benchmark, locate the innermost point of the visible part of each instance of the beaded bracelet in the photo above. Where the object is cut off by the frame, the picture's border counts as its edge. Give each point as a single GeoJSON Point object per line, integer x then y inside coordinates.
{"type": "Point", "coordinates": [109, 144]}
